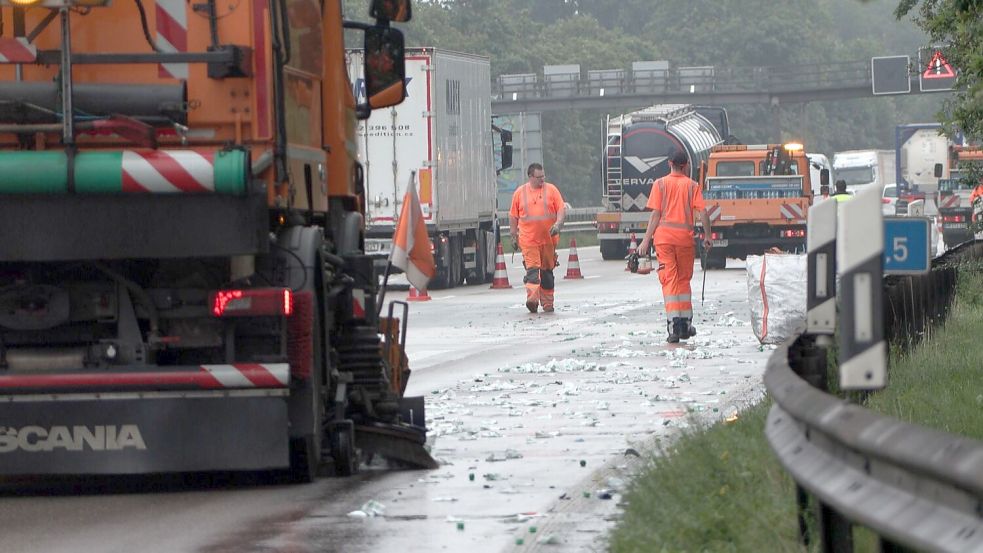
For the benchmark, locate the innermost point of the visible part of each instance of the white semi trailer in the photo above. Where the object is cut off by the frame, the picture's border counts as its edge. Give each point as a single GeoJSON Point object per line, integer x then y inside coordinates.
{"type": "Point", "coordinates": [441, 133]}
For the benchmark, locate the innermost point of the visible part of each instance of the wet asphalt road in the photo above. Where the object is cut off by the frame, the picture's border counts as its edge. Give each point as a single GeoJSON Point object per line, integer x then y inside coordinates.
{"type": "Point", "coordinates": [530, 415]}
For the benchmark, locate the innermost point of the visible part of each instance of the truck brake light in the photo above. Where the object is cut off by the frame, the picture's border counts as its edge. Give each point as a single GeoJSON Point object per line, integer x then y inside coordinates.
{"type": "Point", "coordinates": [953, 219]}
{"type": "Point", "coordinates": [252, 302]}
{"type": "Point", "coordinates": [793, 233]}
{"type": "Point", "coordinates": [607, 227]}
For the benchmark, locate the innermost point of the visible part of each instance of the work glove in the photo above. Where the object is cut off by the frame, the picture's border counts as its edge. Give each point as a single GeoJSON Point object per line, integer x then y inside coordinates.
{"type": "Point", "coordinates": [515, 243]}
{"type": "Point", "coordinates": [555, 229]}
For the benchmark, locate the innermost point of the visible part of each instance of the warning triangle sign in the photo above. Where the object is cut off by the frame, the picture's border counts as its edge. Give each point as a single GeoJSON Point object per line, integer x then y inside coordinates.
{"type": "Point", "coordinates": [938, 68]}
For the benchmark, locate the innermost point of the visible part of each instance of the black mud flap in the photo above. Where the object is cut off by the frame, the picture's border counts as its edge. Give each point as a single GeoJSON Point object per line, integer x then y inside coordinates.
{"type": "Point", "coordinates": [41, 435]}
{"type": "Point", "coordinates": [405, 444]}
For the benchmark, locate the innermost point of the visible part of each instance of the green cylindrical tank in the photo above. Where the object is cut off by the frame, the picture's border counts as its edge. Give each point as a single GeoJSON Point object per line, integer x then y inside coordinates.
{"type": "Point", "coordinates": [126, 171]}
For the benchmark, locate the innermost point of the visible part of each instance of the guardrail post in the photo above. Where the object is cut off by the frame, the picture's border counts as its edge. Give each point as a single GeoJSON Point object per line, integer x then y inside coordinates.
{"type": "Point", "coordinates": [888, 546]}
{"type": "Point", "coordinates": [835, 531]}
{"type": "Point", "coordinates": [863, 353]}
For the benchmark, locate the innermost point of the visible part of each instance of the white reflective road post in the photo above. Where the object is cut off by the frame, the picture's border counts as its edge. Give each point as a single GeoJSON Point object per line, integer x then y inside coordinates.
{"type": "Point", "coordinates": [859, 257]}
{"type": "Point", "coordinates": [821, 260]}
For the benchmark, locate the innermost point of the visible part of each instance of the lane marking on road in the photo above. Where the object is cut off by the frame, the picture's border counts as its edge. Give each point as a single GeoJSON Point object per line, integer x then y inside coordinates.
{"type": "Point", "coordinates": [435, 298]}
{"type": "Point", "coordinates": [592, 276]}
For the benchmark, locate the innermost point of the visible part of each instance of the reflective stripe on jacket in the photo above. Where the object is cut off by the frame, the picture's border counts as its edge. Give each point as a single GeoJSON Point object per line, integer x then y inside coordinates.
{"type": "Point", "coordinates": [536, 211]}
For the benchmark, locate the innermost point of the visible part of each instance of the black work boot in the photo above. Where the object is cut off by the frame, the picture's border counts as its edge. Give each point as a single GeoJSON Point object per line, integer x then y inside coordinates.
{"type": "Point", "coordinates": [680, 328]}
{"type": "Point", "coordinates": [673, 329]}
{"type": "Point", "coordinates": [690, 330]}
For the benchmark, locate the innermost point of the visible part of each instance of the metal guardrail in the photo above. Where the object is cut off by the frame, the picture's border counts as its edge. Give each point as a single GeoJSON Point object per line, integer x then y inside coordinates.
{"type": "Point", "coordinates": [913, 486]}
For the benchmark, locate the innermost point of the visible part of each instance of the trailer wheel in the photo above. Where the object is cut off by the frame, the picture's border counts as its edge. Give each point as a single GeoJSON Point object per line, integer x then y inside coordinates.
{"type": "Point", "coordinates": [456, 272]}
{"type": "Point", "coordinates": [478, 275]}
{"type": "Point", "coordinates": [441, 278]}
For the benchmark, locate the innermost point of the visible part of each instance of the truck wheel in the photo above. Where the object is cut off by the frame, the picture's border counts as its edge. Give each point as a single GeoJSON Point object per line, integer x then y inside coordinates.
{"type": "Point", "coordinates": [441, 278]}
{"type": "Point", "coordinates": [613, 249]}
{"type": "Point", "coordinates": [712, 262]}
{"type": "Point", "coordinates": [305, 450]}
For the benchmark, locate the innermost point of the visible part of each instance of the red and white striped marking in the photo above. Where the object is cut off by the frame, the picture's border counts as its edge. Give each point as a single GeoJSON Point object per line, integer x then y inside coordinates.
{"type": "Point", "coordinates": [713, 212]}
{"type": "Point", "coordinates": [358, 303]}
{"type": "Point", "coordinates": [273, 375]}
{"type": "Point", "coordinates": [209, 377]}
{"type": "Point", "coordinates": [172, 36]}
{"type": "Point", "coordinates": [950, 201]}
{"type": "Point", "coordinates": [792, 211]}
{"type": "Point", "coordinates": [17, 50]}
{"type": "Point", "coordinates": [168, 172]}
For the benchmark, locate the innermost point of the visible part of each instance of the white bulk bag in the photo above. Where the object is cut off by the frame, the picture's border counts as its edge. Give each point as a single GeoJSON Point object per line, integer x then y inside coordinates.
{"type": "Point", "coordinates": [776, 292]}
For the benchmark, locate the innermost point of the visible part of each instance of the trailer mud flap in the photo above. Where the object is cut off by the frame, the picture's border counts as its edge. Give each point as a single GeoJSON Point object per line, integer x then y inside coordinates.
{"type": "Point", "coordinates": [126, 434]}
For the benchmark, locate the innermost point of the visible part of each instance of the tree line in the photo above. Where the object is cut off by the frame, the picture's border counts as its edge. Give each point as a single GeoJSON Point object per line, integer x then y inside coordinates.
{"type": "Point", "coordinates": [521, 36]}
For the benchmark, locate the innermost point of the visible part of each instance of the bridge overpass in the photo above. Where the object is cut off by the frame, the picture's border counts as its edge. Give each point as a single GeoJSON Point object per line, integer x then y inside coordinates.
{"type": "Point", "coordinates": [619, 89]}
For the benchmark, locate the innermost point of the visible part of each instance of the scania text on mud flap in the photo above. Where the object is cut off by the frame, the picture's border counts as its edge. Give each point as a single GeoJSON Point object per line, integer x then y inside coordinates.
{"type": "Point", "coordinates": [183, 284]}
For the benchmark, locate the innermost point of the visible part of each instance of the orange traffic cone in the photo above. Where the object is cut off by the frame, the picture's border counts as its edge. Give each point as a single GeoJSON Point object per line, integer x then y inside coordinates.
{"type": "Point", "coordinates": [501, 278]}
{"type": "Point", "coordinates": [573, 263]}
{"type": "Point", "coordinates": [414, 296]}
{"type": "Point", "coordinates": [632, 249]}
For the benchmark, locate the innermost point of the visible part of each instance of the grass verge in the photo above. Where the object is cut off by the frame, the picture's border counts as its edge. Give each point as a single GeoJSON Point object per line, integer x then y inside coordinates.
{"type": "Point", "coordinates": [720, 488]}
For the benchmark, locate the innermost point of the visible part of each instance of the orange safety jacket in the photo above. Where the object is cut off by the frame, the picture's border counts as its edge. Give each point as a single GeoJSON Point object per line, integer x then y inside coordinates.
{"type": "Point", "coordinates": [674, 197]}
{"type": "Point", "coordinates": [536, 211]}
{"type": "Point", "coordinates": [977, 194]}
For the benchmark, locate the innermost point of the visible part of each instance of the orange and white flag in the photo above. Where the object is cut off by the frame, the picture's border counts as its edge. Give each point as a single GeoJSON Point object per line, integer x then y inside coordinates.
{"type": "Point", "coordinates": [411, 245]}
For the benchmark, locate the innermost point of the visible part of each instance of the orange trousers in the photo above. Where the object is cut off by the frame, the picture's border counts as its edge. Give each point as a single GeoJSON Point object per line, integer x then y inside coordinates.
{"type": "Point", "coordinates": [675, 272]}
{"type": "Point", "coordinates": [539, 261]}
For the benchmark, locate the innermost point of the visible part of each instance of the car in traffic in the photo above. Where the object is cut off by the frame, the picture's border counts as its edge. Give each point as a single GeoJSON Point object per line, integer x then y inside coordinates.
{"type": "Point", "coordinates": [889, 199]}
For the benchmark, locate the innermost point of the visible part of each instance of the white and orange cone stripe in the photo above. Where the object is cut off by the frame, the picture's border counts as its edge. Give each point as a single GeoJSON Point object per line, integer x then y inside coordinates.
{"type": "Point", "coordinates": [573, 264]}
{"type": "Point", "coordinates": [501, 278]}
{"type": "Point", "coordinates": [17, 50]}
{"type": "Point", "coordinates": [172, 36]}
{"type": "Point", "coordinates": [249, 375]}
{"type": "Point", "coordinates": [163, 172]}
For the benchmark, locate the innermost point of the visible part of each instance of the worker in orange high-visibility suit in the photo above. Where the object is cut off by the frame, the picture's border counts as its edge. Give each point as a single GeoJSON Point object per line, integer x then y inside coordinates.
{"type": "Point", "coordinates": [977, 196]}
{"type": "Point", "coordinates": [673, 200]}
{"type": "Point", "coordinates": [535, 220]}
